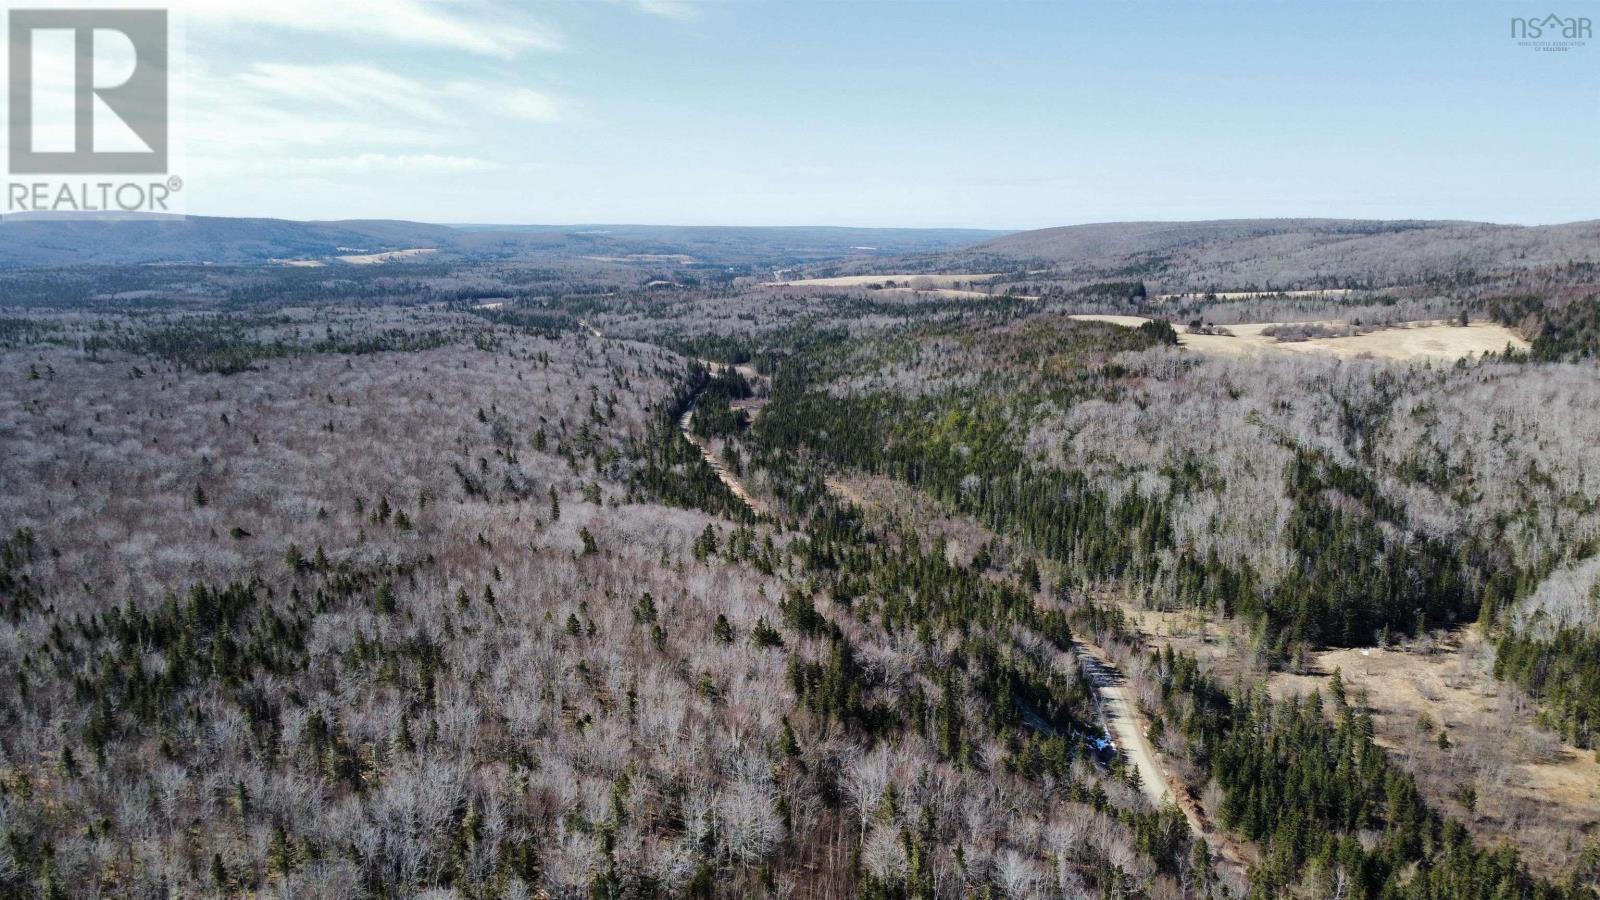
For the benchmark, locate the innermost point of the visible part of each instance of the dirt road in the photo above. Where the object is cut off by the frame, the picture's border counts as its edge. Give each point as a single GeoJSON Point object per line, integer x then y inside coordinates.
{"type": "Point", "coordinates": [753, 407]}
{"type": "Point", "coordinates": [724, 474]}
{"type": "Point", "coordinates": [1121, 719]}
{"type": "Point", "coordinates": [686, 425]}
{"type": "Point", "coordinates": [1118, 711]}
{"type": "Point", "coordinates": [1120, 715]}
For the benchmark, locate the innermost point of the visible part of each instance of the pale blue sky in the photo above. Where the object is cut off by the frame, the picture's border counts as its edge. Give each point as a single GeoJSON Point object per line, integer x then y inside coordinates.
{"type": "Point", "coordinates": [885, 113]}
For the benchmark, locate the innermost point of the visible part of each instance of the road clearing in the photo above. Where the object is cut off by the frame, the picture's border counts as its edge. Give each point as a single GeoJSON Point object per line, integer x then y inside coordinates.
{"type": "Point", "coordinates": [1118, 713]}
{"type": "Point", "coordinates": [733, 482]}
{"type": "Point", "coordinates": [1120, 717]}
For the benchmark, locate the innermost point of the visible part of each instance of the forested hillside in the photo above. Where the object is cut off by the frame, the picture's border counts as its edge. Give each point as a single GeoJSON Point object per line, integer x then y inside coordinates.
{"type": "Point", "coordinates": [1315, 504]}
{"type": "Point", "coordinates": [434, 614]}
{"type": "Point", "coordinates": [96, 240]}
{"type": "Point", "coordinates": [495, 581]}
{"type": "Point", "coordinates": [1279, 254]}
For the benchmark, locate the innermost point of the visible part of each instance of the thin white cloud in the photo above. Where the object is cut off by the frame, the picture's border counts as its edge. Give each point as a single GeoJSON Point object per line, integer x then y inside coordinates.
{"type": "Point", "coordinates": [254, 115]}
{"type": "Point", "coordinates": [417, 22]}
{"type": "Point", "coordinates": [347, 85]}
{"type": "Point", "coordinates": [318, 103]}
{"type": "Point", "coordinates": [368, 95]}
{"type": "Point", "coordinates": [408, 163]}
{"type": "Point", "coordinates": [671, 9]}
{"type": "Point", "coordinates": [354, 164]}
{"type": "Point", "coordinates": [260, 130]}
{"type": "Point", "coordinates": [349, 119]}
{"type": "Point", "coordinates": [507, 100]}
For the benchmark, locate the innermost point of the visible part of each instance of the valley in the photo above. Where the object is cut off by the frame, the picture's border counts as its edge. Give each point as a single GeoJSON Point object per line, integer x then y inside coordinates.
{"type": "Point", "coordinates": [679, 450]}
{"type": "Point", "coordinates": [537, 574]}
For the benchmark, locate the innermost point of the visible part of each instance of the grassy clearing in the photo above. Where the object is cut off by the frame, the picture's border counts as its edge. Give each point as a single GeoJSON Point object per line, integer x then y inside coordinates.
{"type": "Point", "coordinates": [1417, 341]}
{"type": "Point", "coordinates": [367, 259]}
{"type": "Point", "coordinates": [1530, 789]}
{"type": "Point", "coordinates": [919, 282]}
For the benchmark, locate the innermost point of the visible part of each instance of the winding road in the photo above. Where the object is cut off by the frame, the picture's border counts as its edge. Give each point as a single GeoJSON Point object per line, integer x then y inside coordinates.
{"type": "Point", "coordinates": [1120, 716]}
{"type": "Point", "coordinates": [1119, 713]}
{"type": "Point", "coordinates": [1121, 719]}
{"type": "Point", "coordinates": [686, 425]}
{"type": "Point", "coordinates": [734, 482]}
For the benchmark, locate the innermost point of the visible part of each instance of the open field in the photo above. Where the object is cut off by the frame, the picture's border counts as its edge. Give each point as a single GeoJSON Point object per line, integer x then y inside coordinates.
{"type": "Point", "coordinates": [1531, 789]}
{"type": "Point", "coordinates": [921, 281]}
{"type": "Point", "coordinates": [367, 259]}
{"type": "Point", "coordinates": [680, 259]}
{"type": "Point", "coordinates": [1426, 340]}
{"type": "Point", "coordinates": [1124, 321]}
{"type": "Point", "coordinates": [1541, 795]}
{"type": "Point", "coordinates": [1419, 341]}
{"type": "Point", "coordinates": [1329, 293]}
{"type": "Point", "coordinates": [358, 259]}
{"type": "Point", "coordinates": [950, 293]}
{"type": "Point", "coordinates": [963, 536]}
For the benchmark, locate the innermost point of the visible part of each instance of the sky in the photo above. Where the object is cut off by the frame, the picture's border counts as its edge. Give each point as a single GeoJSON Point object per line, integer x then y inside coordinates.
{"type": "Point", "coordinates": [1006, 115]}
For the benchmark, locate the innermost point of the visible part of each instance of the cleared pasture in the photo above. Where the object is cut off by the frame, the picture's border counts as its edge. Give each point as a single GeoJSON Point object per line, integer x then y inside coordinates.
{"type": "Point", "coordinates": [912, 280]}
{"type": "Point", "coordinates": [1436, 340]}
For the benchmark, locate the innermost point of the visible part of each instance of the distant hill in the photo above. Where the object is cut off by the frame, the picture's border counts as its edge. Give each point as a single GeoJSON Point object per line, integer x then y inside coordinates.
{"type": "Point", "coordinates": [228, 241]}
{"type": "Point", "coordinates": [1233, 254]}
{"type": "Point", "coordinates": [739, 243]}
{"type": "Point", "coordinates": [1284, 253]}
{"type": "Point", "coordinates": [202, 239]}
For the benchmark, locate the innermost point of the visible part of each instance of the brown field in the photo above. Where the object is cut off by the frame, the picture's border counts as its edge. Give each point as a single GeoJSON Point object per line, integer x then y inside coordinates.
{"type": "Point", "coordinates": [1533, 790]}
{"type": "Point", "coordinates": [952, 293]}
{"type": "Point", "coordinates": [1415, 341]}
{"type": "Point", "coordinates": [1124, 321]}
{"type": "Point", "coordinates": [1223, 645]}
{"type": "Point", "coordinates": [682, 259]}
{"type": "Point", "coordinates": [1422, 340]}
{"type": "Point", "coordinates": [1330, 293]}
{"type": "Point", "coordinates": [367, 259]}
{"type": "Point", "coordinates": [932, 281]}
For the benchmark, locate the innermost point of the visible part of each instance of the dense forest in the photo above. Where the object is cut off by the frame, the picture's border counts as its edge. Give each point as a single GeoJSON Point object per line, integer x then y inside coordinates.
{"type": "Point", "coordinates": [504, 582]}
{"type": "Point", "coordinates": [1571, 331]}
{"type": "Point", "coordinates": [1352, 580]}
{"type": "Point", "coordinates": [532, 646]}
{"type": "Point", "coordinates": [1356, 567]}
{"type": "Point", "coordinates": [1563, 671]}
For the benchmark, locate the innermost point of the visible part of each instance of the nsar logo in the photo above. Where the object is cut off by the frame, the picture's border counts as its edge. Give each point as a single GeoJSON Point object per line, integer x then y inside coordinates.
{"type": "Point", "coordinates": [1552, 33]}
